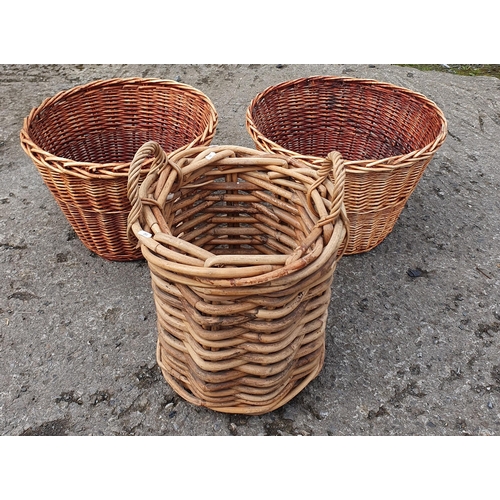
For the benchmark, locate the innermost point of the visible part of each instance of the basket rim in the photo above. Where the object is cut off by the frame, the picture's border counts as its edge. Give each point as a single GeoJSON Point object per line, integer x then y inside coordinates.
{"type": "Point", "coordinates": [296, 264]}
{"type": "Point", "coordinates": [110, 169]}
{"type": "Point", "coordinates": [352, 166]}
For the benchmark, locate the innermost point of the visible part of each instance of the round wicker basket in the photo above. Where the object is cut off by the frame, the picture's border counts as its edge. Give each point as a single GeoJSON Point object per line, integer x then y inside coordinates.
{"type": "Point", "coordinates": [82, 141]}
{"type": "Point", "coordinates": [387, 135]}
{"type": "Point", "coordinates": [241, 248]}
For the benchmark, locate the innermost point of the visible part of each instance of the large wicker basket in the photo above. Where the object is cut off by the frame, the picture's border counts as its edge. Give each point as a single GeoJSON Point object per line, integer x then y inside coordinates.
{"type": "Point", "coordinates": [387, 135]}
{"type": "Point", "coordinates": [82, 141]}
{"type": "Point", "coordinates": [241, 250]}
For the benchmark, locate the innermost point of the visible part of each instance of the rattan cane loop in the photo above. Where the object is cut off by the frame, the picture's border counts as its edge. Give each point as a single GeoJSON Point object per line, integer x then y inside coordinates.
{"type": "Point", "coordinates": [161, 165]}
{"type": "Point", "coordinates": [334, 169]}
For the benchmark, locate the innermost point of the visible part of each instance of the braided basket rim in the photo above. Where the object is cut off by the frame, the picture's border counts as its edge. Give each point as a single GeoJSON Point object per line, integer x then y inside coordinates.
{"type": "Point", "coordinates": [114, 169]}
{"type": "Point", "coordinates": [352, 166]}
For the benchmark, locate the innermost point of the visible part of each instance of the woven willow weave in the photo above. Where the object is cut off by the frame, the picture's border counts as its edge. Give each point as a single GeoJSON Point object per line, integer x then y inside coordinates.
{"type": "Point", "coordinates": [241, 249]}
{"type": "Point", "coordinates": [387, 135]}
{"type": "Point", "coordinates": [82, 141]}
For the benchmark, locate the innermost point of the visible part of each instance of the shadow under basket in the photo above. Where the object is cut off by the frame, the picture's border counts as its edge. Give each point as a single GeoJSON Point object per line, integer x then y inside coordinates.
{"type": "Point", "coordinates": [82, 141]}
{"type": "Point", "coordinates": [386, 134]}
{"type": "Point", "coordinates": [241, 249]}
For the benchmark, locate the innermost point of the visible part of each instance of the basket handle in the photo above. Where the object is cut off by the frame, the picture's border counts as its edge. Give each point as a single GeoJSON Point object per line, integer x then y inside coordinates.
{"type": "Point", "coordinates": [334, 169]}
{"type": "Point", "coordinates": [150, 149]}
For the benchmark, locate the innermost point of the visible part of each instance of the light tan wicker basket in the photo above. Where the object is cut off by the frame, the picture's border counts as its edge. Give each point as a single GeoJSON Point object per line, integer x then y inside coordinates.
{"type": "Point", "coordinates": [82, 141]}
{"type": "Point", "coordinates": [241, 249]}
{"type": "Point", "coordinates": [387, 135]}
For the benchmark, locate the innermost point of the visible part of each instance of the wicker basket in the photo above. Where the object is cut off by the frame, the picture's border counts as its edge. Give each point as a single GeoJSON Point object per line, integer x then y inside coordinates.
{"type": "Point", "coordinates": [387, 135]}
{"type": "Point", "coordinates": [83, 139]}
{"type": "Point", "coordinates": [241, 249]}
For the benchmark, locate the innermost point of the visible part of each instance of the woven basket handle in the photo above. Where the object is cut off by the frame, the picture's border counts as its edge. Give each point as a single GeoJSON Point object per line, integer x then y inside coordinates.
{"type": "Point", "coordinates": [148, 150]}
{"type": "Point", "coordinates": [334, 169]}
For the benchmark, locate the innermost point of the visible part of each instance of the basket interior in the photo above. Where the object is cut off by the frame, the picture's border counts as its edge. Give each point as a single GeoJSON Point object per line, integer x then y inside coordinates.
{"type": "Point", "coordinates": [360, 119]}
{"type": "Point", "coordinates": [232, 216]}
{"type": "Point", "coordinates": [108, 123]}
{"type": "Point", "coordinates": [232, 201]}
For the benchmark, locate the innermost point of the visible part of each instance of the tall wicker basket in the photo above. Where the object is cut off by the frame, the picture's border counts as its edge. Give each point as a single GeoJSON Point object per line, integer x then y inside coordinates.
{"type": "Point", "coordinates": [82, 141]}
{"type": "Point", "coordinates": [387, 135]}
{"type": "Point", "coordinates": [241, 249]}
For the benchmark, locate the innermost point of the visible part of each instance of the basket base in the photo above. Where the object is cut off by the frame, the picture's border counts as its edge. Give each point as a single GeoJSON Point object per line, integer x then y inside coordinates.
{"type": "Point", "coordinates": [247, 407]}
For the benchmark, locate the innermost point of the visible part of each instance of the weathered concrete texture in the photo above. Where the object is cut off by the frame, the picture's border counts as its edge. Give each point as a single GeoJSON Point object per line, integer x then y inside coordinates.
{"type": "Point", "coordinates": [405, 355]}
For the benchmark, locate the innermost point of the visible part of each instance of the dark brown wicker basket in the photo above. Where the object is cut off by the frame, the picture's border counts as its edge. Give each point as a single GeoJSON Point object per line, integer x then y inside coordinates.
{"type": "Point", "coordinates": [82, 141]}
{"type": "Point", "coordinates": [387, 135]}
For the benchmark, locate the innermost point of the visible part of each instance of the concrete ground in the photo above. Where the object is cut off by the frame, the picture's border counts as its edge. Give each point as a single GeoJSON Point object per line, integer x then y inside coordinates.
{"type": "Point", "coordinates": [406, 355]}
